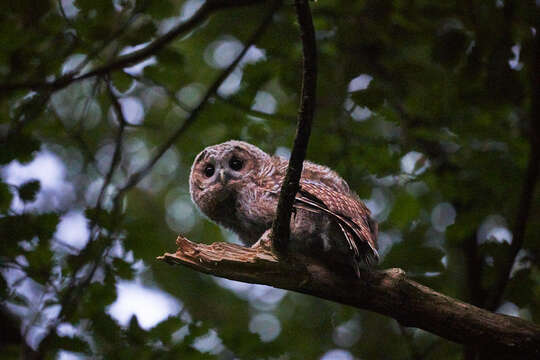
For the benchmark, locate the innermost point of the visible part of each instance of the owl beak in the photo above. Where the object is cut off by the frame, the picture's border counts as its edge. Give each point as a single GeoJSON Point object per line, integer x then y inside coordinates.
{"type": "Point", "coordinates": [222, 177]}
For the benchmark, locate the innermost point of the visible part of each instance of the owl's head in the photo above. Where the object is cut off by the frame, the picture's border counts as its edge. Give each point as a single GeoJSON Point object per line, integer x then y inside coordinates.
{"type": "Point", "coordinates": [219, 171]}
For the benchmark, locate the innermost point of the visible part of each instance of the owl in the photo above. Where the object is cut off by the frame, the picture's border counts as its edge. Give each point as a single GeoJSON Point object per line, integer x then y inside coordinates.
{"type": "Point", "coordinates": [237, 185]}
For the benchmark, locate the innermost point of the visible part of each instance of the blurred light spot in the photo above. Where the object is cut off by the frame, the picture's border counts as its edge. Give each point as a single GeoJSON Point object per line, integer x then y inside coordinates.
{"type": "Point", "coordinates": [69, 8]}
{"type": "Point", "coordinates": [154, 96]}
{"type": "Point", "coordinates": [72, 62]}
{"type": "Point", "coordinates": [508, 308]}
{"type": "Point", "coordinates": [494, 228]}
{"type": "Point", "coordinates": [132, 109]}
{"type": "Point", "coordinates": [360, 82]}
{"type": "Point", "coordinates": [500, 234]}
{"type": "Point", "coordinates": [55, 194]}
{"type": "Point", "coordinates": [231, 85]}
{"type": "Point", "coordinates": [137, 154]}
{"type": "Point", "coordinates": [387, 129]}
{"type": "Point", "coordinates": [264, 102]}
{"type": "Point", "coordinates": [190, 95]}
{"type": "Point", "coordinates": [387, 239]}
{"type": "Point", "coordinates": [414, 163]}
{"type": "Point", "coordinates": [261, 297]}
{"type": "Point", "coordinates": [189, 8]}
{"type": "Point", "coordinates": [230, 236]}
{"type": "Point", "coordinates": [73, 229]}
{"type": "Point", "coordinates": [522, 261]}
{"type": "Point", "coordinates": [253, 55]}
{"type": "Point", "coordinates": [221, 53]}
{"type": "Point", "coordinates": [267, 326]}
{"type": "Point", "coordinates": [181, 214]}
{"type": "Point", "coordinates": [347, 334]}
{"type": "Point", "coordinates": [67, 329]}
{"type": "Point", "coordinates": [337, 354]}
{"type": "Point", "coordinates": [168, 163]}
{"type": "Point", "coordinates": [417, 188]}
{"type": "Point", "coordinates": [264, 297]}
{"type": "Point", "coordinates": [444, 261]}
{"type": "Point", "coordinates": [209, 343]}
{"type": "Point", "coordinates": [179, 335]}
{"type": "Point", "coordinates": [150, 305]}
{"type": "Point", "coordinates": [435, 238]}
{"type": "Point", "coordinates": [68, 355]}
{"type": "Point", "coordinates": [442, 216]}
{"type": "Point", "coordinates": [138, 68]}
{"type": "Point", "coordinates": [378, 204]}
{"type": "Point", "coordinates": [384, 241]}
{"type": "Point", "coordinates": [360, 113]}
{"type": "Point", "coordinates": [283, 152]}
{"type": "Point", "coordinates": [241, 289]}
{"type": "Point", "coordinates": [349, 104]}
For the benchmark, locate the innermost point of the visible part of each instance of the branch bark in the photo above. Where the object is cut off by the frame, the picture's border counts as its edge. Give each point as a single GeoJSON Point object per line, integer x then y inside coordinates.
{"type": "Point", "coordinates": [387, 292]}
{"type": "Point", "coordinates": [290, 186]}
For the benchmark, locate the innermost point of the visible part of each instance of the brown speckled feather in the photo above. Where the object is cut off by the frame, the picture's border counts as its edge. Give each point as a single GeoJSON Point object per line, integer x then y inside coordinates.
{"type": "Point", "coordinates": [352, 216]}
{"type": "Point", "coordinates": [237, 185]}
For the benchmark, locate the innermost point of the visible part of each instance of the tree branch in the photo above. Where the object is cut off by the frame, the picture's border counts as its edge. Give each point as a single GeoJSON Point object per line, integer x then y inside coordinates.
{"type": "Point", "coordinates": [207, 9]}
{"type": "Point", "coordinates": [387, 292]}
{"type": "Point", "coordinates": [529, 183]}
{"type": "Point", "coordinates": [290, 186]}
{"type": "Point", "coordinates": [136, 177]}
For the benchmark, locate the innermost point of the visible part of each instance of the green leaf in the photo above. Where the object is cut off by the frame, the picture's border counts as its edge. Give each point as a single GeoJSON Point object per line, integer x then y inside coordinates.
{"type": "Point", "coordinates": [121, 81]}
{"type": "Point", "coordinates": [5, 197]}
{"type": "Point", "coordinates": [166, 328]}
{"type": "Point", "coordinates": [21, 148]}
{"type": "Point", "coordinates": [372, 97]}
{"type": "Point", "coordinates": [413, 255]}
{"type": "Point", "coordinates": [450, 47]}
{"type": "Point", "coordinates": [520, 288]}
{"type": "Point", "coordinates": [169, 70]}
{"type": "Point", "coordinates": [135, 333]}
{"type": "Point", "coordinates": [29, 190]}
{"type": "Point", "coordinates": [123, 269]}
{"type": "Point", "coordinates": [73, 344]}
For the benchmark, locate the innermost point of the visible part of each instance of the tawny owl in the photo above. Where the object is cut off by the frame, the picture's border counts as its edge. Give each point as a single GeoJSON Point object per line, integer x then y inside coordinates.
{"type": "Point", "coordinates": [237, 185]}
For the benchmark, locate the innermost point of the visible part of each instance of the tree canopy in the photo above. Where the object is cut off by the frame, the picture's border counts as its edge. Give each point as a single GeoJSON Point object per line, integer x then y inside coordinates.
{"type": "Point", "coordinates": [430, 111]}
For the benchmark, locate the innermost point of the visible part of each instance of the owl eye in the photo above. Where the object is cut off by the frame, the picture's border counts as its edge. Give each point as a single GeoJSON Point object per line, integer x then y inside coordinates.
{"type": "Point", "coordinates": [209, 170]}
{"type": "Point", "coordinates": [235, 163]}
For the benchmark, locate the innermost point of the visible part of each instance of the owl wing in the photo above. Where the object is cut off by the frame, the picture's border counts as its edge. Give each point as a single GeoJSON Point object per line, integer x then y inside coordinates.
{"type": "Point", "coordinates": [352, 216]}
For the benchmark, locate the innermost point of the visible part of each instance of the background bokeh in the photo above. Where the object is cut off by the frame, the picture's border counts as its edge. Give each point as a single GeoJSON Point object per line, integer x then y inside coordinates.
{"type": "Point", "coordinates": [423, 107]}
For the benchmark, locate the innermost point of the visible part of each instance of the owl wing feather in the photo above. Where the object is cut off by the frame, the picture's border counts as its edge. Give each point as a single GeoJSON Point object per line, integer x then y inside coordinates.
{"type": "Point", "coordinates": [350, 214]}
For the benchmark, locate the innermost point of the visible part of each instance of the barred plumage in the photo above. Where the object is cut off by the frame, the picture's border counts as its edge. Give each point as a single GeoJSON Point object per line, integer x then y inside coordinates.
{"type": "Point", "coordinates": [237, 185]}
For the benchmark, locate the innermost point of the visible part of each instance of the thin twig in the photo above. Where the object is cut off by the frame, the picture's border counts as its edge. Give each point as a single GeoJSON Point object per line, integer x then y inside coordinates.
{"type": "Point", "coordinates": [290, 186]}
{"type": "Point", "coordinates": [136, 177]}
{"type": "Point", "coordinates": [208, 8]}
{"type": "Point", "coordinates": [117, 154]}
{"type": "Point", "coordinates": [529, 183]}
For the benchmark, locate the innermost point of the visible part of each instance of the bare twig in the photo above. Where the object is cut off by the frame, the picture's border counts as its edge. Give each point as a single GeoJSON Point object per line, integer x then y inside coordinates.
{"type": "Point", "coordinates": [208, 8]}
{"type": "Point", "coordinates": [529, 183]}
{"type": "Point", "coordinates": [117, 154]}
{"type": "Point", "coordinates": [387, 292]}
{"type": "Point", "coordinates": [290, 186]}
{"type": "Point", "coordinates": [136, 177]}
